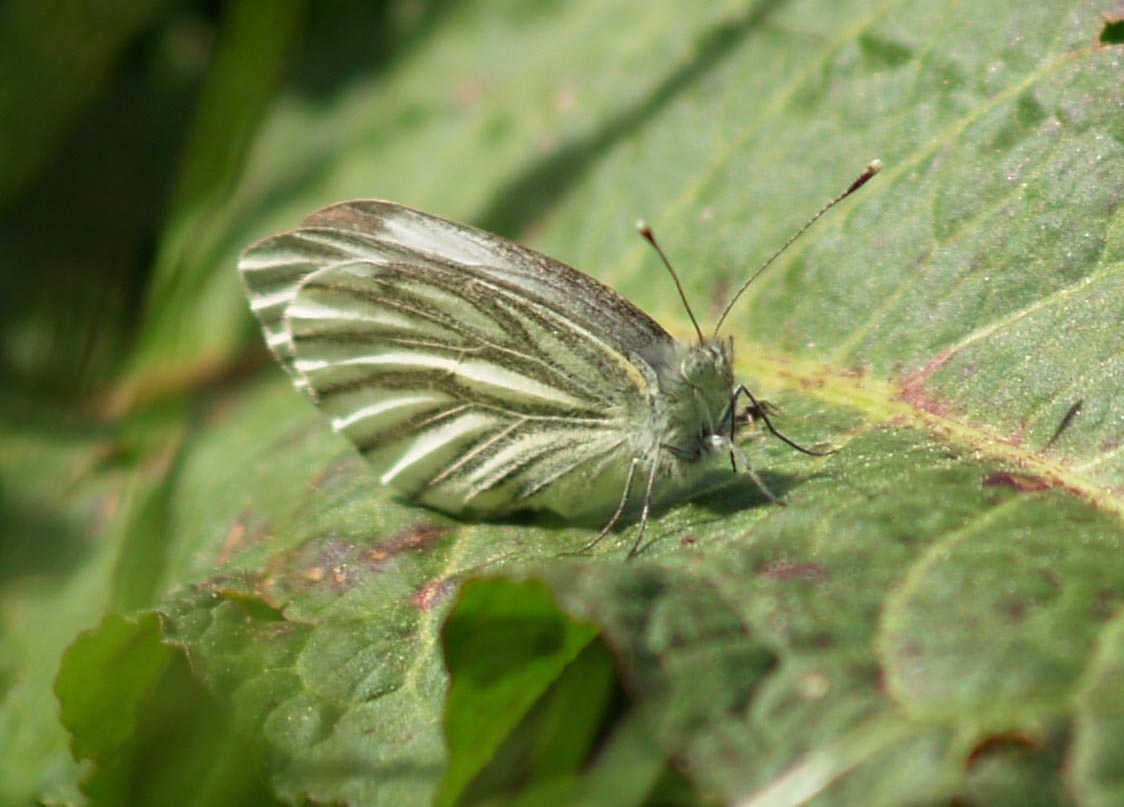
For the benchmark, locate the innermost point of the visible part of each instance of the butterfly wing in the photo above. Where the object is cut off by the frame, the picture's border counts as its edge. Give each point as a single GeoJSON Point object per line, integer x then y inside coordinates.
{"type": "Point", "coordinates": [394, 229]}
{"type": "Point", "coordinates": [476, 375]}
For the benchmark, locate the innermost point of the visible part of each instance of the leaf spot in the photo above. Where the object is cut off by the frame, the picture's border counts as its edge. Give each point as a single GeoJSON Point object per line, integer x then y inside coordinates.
{"type": "Point", "coordinates": [1004, 744]}
{"type": "Point", "coordinates": [913, 390]}
{"type": "Point", "coordinates": [415, 537]}
{"type": "Point", "coordinates": [812, 572]}
{"type": "Point", "coordinates": [1024, 483]}
{"type": "Point", "coordinates": [431, 593]}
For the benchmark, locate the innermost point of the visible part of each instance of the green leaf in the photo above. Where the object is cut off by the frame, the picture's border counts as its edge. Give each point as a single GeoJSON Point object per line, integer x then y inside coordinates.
{"type": "Point", "coordinates": [505, 645]}
{"type": "Point", "coordinates": [156, 736]}
{"type": "Point", "coordinates": [935, 586]}
{"type": "Point", "coordinates": [935, 613]}
{"type": "Point", "coordinates": [92, 700]}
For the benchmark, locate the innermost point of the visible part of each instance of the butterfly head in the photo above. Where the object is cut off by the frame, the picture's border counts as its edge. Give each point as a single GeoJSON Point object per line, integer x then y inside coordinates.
{"type": "Point", "coordinates": [709, 366]}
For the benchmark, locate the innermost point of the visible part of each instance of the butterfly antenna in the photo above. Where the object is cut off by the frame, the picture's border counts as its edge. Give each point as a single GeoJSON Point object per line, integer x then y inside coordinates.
{"type": "Point", "coordinates": [872, 169]}
{"type": "Point", "coordinates": [646, 233]}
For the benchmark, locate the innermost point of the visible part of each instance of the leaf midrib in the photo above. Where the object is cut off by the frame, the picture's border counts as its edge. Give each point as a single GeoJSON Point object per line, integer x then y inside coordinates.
{"type": "Point", "coordinates": [883, 403]}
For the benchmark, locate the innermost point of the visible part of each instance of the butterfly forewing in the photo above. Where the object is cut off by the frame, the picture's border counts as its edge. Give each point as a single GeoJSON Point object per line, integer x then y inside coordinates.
{"type": "Point", "coordinates": [474, 374]}
{"type": "Point", "coordinates": [392, 232]}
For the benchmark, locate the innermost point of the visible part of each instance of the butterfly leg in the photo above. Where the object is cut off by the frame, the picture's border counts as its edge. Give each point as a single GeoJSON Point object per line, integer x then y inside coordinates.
{"type": "Point", "coordinates": [736, 456]}
{"type": "Point", "coordinates": [761, 411]}
{"type": "Point", "coordinates": [636, 547]}
{"type": "Point", "coordinates": [616, 515]}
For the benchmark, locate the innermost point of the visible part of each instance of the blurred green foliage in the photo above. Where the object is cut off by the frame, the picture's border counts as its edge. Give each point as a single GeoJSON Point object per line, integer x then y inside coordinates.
{"type": "Point", "coordinates": [123, 129]}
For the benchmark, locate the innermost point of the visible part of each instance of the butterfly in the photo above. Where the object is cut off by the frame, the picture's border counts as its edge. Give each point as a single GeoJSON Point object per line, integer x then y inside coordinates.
{"type": "Point", "coordinates": [480, 377]}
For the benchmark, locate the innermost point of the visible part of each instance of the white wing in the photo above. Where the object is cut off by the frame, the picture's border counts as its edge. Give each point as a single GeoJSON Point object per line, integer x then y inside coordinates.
{"type": "Point", "coordinates": [474, 374]}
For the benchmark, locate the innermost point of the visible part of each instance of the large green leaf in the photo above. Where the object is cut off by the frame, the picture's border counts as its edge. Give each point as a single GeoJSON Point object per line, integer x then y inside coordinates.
{"type": "Point", "coordinates": [934, 614]}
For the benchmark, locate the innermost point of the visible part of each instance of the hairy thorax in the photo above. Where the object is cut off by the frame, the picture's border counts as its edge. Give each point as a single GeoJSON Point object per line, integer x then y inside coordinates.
{"type": "Point", "coordinates": [695, 400]}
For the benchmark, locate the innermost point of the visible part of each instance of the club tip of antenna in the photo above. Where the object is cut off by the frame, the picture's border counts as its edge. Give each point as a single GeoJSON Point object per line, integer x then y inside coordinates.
{"type": "Point", "coordinates": [873, 168]}
{"type": "Point", "coordinates": [643, 228]}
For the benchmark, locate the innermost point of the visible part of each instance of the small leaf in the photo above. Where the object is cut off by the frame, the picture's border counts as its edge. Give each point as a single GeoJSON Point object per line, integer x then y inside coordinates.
{"type": "Point", "coordinates": [505, 645]}
{"type": "Point", "coordinates": [100, 709]}
{"type": "Point", "coordinates": [153, 734]}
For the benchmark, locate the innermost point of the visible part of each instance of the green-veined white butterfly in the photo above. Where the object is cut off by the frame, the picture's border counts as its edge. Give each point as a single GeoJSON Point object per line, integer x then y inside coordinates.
{"type": "Point", "coordinates": [480, 377]}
